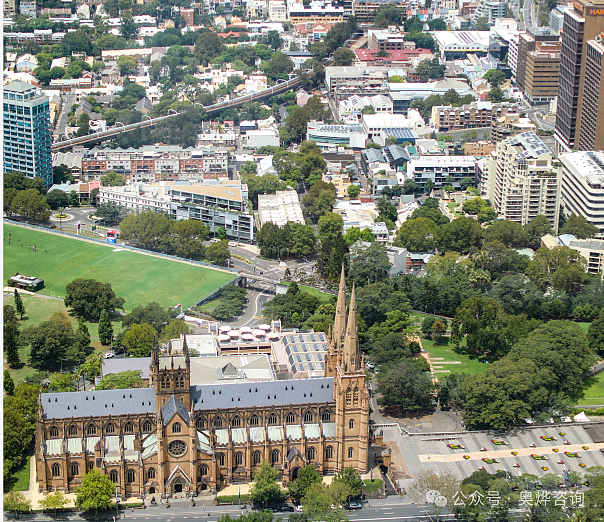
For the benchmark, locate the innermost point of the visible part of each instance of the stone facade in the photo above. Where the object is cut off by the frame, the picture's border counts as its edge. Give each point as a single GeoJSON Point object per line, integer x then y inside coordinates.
{"type": "Point", "coordinates": [173, 437]}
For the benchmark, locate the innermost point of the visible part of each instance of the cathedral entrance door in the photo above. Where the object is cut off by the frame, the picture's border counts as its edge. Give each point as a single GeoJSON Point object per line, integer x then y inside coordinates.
{"type": "Point", "coordinates": [178, 486]}
{"type": "Point", "coordinates": [295, 473]}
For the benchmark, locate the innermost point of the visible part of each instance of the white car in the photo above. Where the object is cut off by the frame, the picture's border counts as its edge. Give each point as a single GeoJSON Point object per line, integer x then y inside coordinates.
{"type": "Point", "coordinates": [232, 244]}
{"type": "Point", "coordinates": [108, 355]}
{"type": "Point", "coordinates": [214, 240]}
{"type": "Point", "coordinates": [299, 508]}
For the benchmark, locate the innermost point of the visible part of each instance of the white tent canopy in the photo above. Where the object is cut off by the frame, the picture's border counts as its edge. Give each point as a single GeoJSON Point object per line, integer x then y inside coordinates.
{"type": "Point", "coordinates": [581, 417]}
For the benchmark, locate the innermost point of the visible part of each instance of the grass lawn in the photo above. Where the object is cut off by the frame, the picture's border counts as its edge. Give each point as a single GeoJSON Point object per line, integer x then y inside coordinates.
{"type": "Point", "coordinates": [452, 206]}
{"type": "Point", "coordinates": [40, 309]}
{"type": "Point", "coordinates": [19, 481]}
{"type": "Point", "coordinates": [468, 364]}
{"type": "Point", "coordinates": [370, 487]}
{"type": "Point", "coordinates": [584, 327]}
{"type": "Point", "coordinates": [138, 278]}
{"type": "Point", "coordinates": [593, 391]}
{"type": "Point", "coordinates": [323, 297]}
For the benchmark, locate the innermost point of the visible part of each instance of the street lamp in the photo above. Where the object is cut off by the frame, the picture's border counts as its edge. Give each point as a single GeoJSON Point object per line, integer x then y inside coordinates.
{"type": "Point", "coordinates": [62, 364]}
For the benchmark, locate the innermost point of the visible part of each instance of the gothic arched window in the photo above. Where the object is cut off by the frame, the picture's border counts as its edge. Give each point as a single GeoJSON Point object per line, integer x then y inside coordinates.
{"type": "Point", "coordinates": [310, 454]}
{"type": "Point", "coordinates": [73, 430]}
{"type": "Point", "coordinates": [350, 452]}
{"type": "Point", "coordinates": [291, 418]}
{"type": "Point", "coordinates": [147, 426]}
{"type": "Point", "coordinates": [254, 420]}
{"type": "Point", "coordinates": [203, 470]}
{"type": "Point", "coordinates": [351, 424]}
{"type": "Point", "coordinates": [56, 470]}
{"type": "Point", "coordinates": [326, 416]}
{"type": "Point", "coordinates": [257, 457]}
{"type": "Point", "coordinates": [131, 476]}
{"type": "Point", "coordinates": [151, 473]}
{"type": "Point", "coordinates": [53, 432]}
{"type": "Point", "coordinates": [113, 476]}
{"type": "Point", "coordinates": [308, 416]}
{"type": "Point", "coordinates": [272, 419]}
{"type": "Point", "coordinates": [329, 453]}
{"type": "Point", "coordinates": [128, 427]}
{"type": "Point", "coordinates": [236, 421]}
{"type": "Point", "coordinates": [239, 459]}
{"type": "Point", "coordinates": [75, 469]}
{"type": "Point", "coordinates": [176, 427]}
{"type": "Point", "coordinates": [275, 456]}
{"type": "Point", "coordinates": [91, 430]}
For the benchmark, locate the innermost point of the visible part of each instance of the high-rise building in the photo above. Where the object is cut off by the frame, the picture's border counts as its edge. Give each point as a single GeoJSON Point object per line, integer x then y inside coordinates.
{"type": "Point", "coordinates": [583, 186]}
{"type": "Point", "coordinates": [582, 22]}
{"type": "Point", "coordinates": [27, 138]}
{"type": "Point", "coordinates": [591, 136]}
{"type": "Point", "coordinates": [524, 182]}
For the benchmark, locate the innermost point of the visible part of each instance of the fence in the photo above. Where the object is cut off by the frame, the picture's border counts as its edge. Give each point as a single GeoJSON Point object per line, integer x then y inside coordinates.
{"type": "Point", "coordinates": [133, 249]}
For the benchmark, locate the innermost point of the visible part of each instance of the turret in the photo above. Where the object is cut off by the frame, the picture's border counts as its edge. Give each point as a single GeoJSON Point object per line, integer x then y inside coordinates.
{"type": "Point", "coordinates": [351, 354]}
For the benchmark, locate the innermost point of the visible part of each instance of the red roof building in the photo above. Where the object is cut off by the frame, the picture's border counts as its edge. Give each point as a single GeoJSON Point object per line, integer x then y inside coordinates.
{"type": "Point", "coordinates": [394, 58]}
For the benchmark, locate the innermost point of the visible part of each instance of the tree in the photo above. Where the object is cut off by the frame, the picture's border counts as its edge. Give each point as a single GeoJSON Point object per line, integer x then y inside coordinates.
{"type": "Point", "coordinates": [105, 328]}
{"type": "Point", "coordinates": [111, 212]}
{"type": "Point", "coordinates": [391, 347]}
{"type": "Point", "coordinates": [535, 229]}
{"type": "Point", "coordinates": [11, 337]}
{"type": "Point", "coordinates": [351, 478]}
{"type": "Point", "coordinates": [427, 324]}
{"type": "Point", "coordinates": [343, 57]}
{"type": "Point", "coordinates": [88, 298]}
{"type": "Point", "coordinates": [266, 488]}
{"type": "Point", "coordinates": [19, 306]}
{"type": "Point", "coordinates": [127, 65]}
{"type": "Point", "coordinates": [447, 485]}
{"type": "Point", "coordinates": [31, 205]}
{"type": "Point", "coordinates": [16, 502]}
{"type": "Point", "coordinates": [96, 492]}
{"type": "Point", "coordinates": [494, 77]}
{"type": "Point", "coordinates": [431, 213]}
{"type": "Point", "coordinates": [175, 328]}
{"type": "Point", "coordinates": [112, 179]}
{"type": "Point", "coordinates": [217, 253]}
{"type": "Point", "coordinates": [480, 208]}
{"type": "Point", "coordinates": [461, 235]}
{"type": "Point", "coordinates": [50, 342]}
{"type": "Point", "coordinates": [56, 199]}
{"type": "Point", "coordinates": [369, 264]}
{"type": "Point", "coordinates": [319, 200]}
{"type": "Point", "coordinates": [9, 384]}
{"type": "Point", "coordinates": [417, 235]}
{"type": "Point", "coordinates": [595, 334]}
{"type": "Point", "coordinates": [122, 381]}
{"type": "Point", "coordinates": [9, 195]}
{"type": "Point", "coordinates": [19, 181]}
{"type": "Point", "coordinates": [353, 191]}
{"type": "Point", "coordinates": [248, 167]}
{"type": "Point", "coordinates": [439, 328]}
{"type": "Point", "coordinates": [479, 321]}
{"type": "Point", "coordinates": [317, 503]}
{"type": "Point", "coordinates": [92, 365]}
{"type": "Point", "coordinates": [54, 502]}
{"type": "Point", "coordinates": [405, 386]}
{"type": "Point", "coordinates": [495, 95]}
{"type": "Point", "coordinates": [510, 233]}
{"type": "Point", "coordinates": [139, 340]}
{"type": "Point", "coordinates": [280, 65]}
{"type": "Point", "coordinates": [560, 267]}
{"type": "Point", "coordinates": [128, 29]}
{"type": "Point", "coordinates": [437, 24]}
{"type": "Point", "coordinates": [61, 174]}
{"type": "Point", "coordinates": [579, 227]}
{"type": "Point", "coordinates": [481, 24]}
{"type": "Point", "coordinates": [307, 476]}
{"type": "Point", "coordinates": [61, 382]}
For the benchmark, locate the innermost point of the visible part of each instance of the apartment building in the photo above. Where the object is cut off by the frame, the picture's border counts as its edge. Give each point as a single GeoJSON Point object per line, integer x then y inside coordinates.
{"type": "Point", "coordinates": [441, 170]}
{"type": "Point", "coordinates": [154, 163]}
{"type": "Point", "coordinates": [386, 39]}
{"type": "Point", "coordinates": [478, 114]}
{"type": "Point", "coordinates": [583, 21]}
{"type": "Point", "coordinates": [583, 186]}
{"type": "Point", "coordinates": [218, 204]}
{"type": "Point", "coordinates": [9, 8]}
{"type": "Point", "coordinates": [526, 183]}
{"type": "Point", "coordinates": [592, 250]}
{"type": "Point", "coordinates": [27, 137]}
{"type": "Point", "coordinates": [490, 10]}
{"type": "Point", "coordinates": [315, 12]}
{"type": "Point", "coordinates": [365, 10]}
{"type": "Point", "coordinates": [359, 78]}
{"type": "Point", "coordinates": [592, 122]}
{"type": "Point", "coordinates": [277, 11]}
{"type": "Point", "coordinates": [479, 148]}
{"type": "Point", "coordinates": [328, 136]}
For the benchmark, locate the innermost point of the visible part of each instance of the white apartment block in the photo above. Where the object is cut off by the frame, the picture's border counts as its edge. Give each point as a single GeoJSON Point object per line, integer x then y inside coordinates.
{"type": "Point", "coordinates": [277, 11]}
{"type": "Point", "coordinates": [280, 208]}
{"type": "Point", "coordinates": [583, 186]}
{"type": "Point", "coordinates": [440, 170]}
{"type": "Point", "coordinates": [525, 183]}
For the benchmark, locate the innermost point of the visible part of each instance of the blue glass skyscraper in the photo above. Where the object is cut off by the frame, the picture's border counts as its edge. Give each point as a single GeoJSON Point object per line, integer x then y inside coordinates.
{"type": "Point", "coordinates": [27, 137]}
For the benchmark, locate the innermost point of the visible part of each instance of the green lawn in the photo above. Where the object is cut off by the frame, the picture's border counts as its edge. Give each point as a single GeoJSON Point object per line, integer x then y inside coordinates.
{"type": "Point", "coordinates": [138, 278]}
{"type": "Point", "coordinates": [584, 327]}
{"type": "Point", "coordinates": [323, 297]}
{"type": "Point", "coordinates": [594, 391]}
{"type": "Point", "coordinates": [468, 364]}
{"type": "Point", "coordinates": [452, 206]}
{"type": "Point", "coordinates": [19, 481]}
{"type": "Point", "coordinates": [40, 309]}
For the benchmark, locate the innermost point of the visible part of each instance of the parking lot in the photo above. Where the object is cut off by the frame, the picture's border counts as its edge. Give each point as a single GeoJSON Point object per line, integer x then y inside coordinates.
{"type": "Point", "coordinates": [421, 451]}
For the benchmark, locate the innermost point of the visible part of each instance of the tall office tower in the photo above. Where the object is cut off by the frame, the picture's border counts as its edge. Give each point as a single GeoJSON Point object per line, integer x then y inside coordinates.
{"type": "Point", "coordinates": [591, 136]}
{"type": "Point", "coordinates": [582, 22]}
{"type": "Point", "coordinates": [27, 139]}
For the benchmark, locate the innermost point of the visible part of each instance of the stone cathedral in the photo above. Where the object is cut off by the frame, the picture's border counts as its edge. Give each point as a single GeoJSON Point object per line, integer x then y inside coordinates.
{"type": "Point", "coordinates": [173, 437]}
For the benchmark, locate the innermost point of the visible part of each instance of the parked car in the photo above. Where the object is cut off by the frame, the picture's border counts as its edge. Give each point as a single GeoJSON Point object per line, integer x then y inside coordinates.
{"type": "Point", "coordinates": [289, 509]}
{"type": "Point", "coordinates": [354, 505]}
{"type": "Point", "coordinates": [232, 244]}
{"type": "Point", "coordinates": [214, 240]}
{"type": "Point", "coordinates": [108, 355]}
{"type": "Point", "coordinates": [299, 508]}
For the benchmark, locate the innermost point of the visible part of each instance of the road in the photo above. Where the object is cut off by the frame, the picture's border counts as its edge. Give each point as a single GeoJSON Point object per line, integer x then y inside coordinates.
{"type": "Point", "coordinates": [68, 101]}
{"type": "Point", "coordinates": [389, 509]}
{"type": "Point", "coordinates": [527, 12]}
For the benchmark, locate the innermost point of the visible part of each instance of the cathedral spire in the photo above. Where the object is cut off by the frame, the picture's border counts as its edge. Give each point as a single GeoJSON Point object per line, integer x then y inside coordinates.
{"type": "Point", "coordinates": [185, 349]}
{"type": "Point", "coordinates": [352, 354]}
{"type": "Point", "coordinates": [339, 325]}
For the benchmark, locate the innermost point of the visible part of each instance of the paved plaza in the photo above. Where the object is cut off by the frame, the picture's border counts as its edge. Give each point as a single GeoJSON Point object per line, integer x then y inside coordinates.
{"type": "Point", "coordinates": [416, 452]}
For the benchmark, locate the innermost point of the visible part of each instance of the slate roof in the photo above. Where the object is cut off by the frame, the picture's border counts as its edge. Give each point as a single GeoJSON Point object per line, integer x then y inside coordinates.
{"type": "Point", "coordinates": [268, 393]}
{"type": "Point", "coordinates": [172, 407]}
{"type": "Point", "coordinates": [293, 453]}
{"type": "Point", "coordinates": [98, 403]}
